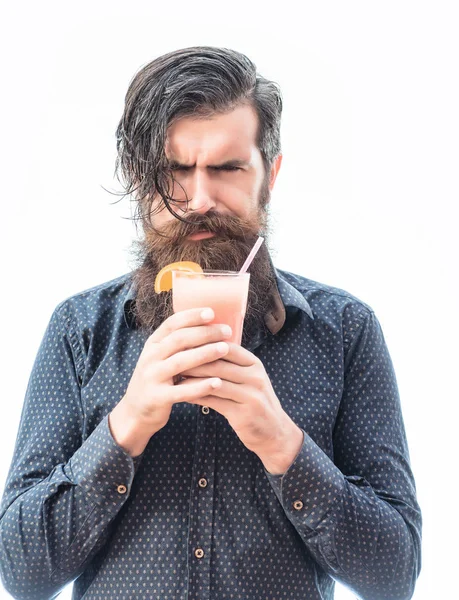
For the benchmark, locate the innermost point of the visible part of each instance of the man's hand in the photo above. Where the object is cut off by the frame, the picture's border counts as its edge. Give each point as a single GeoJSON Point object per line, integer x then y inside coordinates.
{"type": "Point", "coordinates": [184, 341]}
{"type": "Point", "coordinates": [247, 399]}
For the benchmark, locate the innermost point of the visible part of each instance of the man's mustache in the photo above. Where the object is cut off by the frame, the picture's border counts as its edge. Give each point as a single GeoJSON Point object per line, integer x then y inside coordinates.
{"type": "Point", "coordinates": [226, 226]}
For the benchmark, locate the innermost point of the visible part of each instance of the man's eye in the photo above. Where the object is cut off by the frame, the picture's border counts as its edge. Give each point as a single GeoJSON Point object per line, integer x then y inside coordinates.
{"type": "Point", "coordinates": [228, 168]}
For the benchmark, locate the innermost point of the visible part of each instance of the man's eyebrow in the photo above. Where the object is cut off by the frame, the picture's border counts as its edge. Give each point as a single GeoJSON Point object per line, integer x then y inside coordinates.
{"type": "Point", "coordinates": [234, 162]}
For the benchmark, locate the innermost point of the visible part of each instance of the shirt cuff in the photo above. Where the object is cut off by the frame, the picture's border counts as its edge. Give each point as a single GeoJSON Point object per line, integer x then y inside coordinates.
{"type": "Point", "coordinates": [103, 469]}
{"type": "Point", "coordinates": [309, 487]}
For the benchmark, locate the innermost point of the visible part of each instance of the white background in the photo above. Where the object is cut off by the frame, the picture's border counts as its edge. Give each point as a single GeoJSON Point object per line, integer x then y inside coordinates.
{"type": "Point", "coordinates": [364, 200]}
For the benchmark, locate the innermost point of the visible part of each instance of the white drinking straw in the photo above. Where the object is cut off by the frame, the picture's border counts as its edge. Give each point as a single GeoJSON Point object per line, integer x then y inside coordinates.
{"type": "Point", "coordinates": [251, 256]}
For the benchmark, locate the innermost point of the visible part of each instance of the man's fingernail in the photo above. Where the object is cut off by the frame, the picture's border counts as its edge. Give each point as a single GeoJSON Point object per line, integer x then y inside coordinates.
{"type": "Point", "coordinates": [207, 314]}
{"type": "Point", "coordinates": [226, 330]}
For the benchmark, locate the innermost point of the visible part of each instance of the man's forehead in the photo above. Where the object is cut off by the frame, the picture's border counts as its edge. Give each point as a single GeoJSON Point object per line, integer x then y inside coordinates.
{"type": "Point", "coordinates": [227, 133]}
{"type": "Point", "coordinates": [222, 154]}
{"type": "Point", "coordinates": [177, 145]}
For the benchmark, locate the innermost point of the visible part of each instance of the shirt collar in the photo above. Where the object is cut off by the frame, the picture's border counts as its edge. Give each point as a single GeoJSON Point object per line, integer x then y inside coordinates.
{"type": "Point", "coordinates": [284, 295]}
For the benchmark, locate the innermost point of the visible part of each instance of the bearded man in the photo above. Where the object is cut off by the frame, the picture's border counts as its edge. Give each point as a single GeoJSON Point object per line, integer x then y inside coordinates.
{"type": "Point", "coordinates": [156, 459]}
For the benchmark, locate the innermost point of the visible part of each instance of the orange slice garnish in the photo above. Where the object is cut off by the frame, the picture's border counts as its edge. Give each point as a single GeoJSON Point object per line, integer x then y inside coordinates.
{"type": "Point", "coordinates": [163, 281]}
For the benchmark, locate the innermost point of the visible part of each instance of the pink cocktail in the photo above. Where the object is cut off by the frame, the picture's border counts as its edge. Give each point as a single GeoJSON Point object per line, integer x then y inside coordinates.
{"type": "Point", "coordinates": [224, 291]}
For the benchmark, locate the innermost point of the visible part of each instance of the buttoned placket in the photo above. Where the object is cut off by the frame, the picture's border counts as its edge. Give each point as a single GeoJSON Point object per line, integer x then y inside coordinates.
{"type": "Point", "coordinates": [201, 505]}
{"type": "Point", "coordinates": [202, 496]}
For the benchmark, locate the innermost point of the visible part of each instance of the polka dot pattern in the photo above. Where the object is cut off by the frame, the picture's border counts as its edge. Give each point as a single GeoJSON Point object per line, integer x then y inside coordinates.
{"type": "Point", "coordinates": [197, 516]}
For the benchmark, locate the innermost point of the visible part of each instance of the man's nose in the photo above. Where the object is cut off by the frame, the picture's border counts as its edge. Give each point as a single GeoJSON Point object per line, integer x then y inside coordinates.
{"type": "Point", "coordinates": [200, 192]}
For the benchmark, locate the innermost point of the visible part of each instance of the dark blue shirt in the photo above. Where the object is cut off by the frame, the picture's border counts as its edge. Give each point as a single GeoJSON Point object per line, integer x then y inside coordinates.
{"type": "Point", "coordinates": [197, 516]}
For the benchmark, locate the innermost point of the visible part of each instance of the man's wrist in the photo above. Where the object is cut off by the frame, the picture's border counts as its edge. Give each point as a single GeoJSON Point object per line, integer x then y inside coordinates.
{"type": "Point", "coordinates": [279, 459]}
{"type": "Point", "coordinates": [125, 431]}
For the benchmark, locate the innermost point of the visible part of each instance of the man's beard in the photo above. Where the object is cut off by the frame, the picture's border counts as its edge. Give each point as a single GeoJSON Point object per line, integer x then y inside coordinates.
{"type": "Point", "coordinates": [226, 251]}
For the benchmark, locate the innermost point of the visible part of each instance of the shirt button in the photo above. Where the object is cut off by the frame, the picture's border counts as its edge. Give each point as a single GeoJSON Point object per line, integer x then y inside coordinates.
{"type": "Point", "coordinates": [205, 410]}
{"type": "Point", "coordinates": [199, 552]}
{"type": "Point", "coordinates": [202, 482]}
{"type": "Point", "coordinates": [121, 489]}
{"type": "Point", "coordinates": [297, 505]}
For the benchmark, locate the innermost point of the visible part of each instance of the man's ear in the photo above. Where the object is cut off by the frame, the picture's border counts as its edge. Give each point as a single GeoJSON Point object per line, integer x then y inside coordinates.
{"type": "Point", "coordinates": [274, 171]}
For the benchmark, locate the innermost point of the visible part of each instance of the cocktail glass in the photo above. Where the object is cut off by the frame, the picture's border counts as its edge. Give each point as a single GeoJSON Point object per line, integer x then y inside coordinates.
{"type": "Point", "coordinates": [225, 292]}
